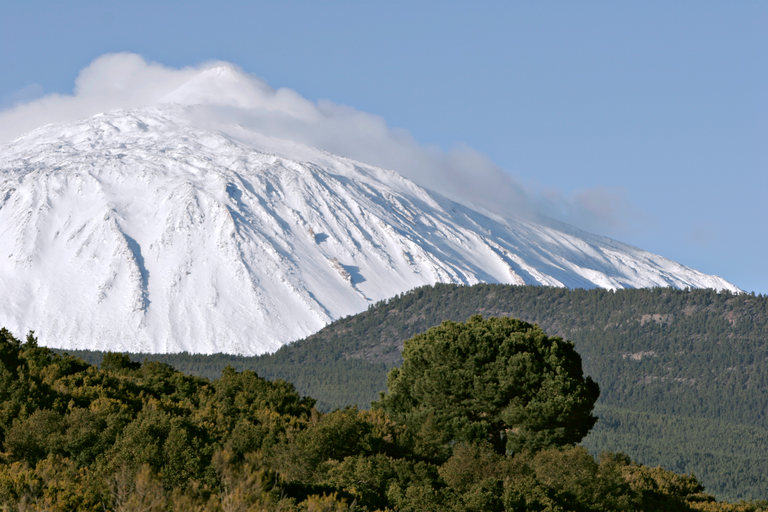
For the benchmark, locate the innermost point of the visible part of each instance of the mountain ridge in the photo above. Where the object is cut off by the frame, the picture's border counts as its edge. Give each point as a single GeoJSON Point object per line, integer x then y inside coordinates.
{"type": "Point", "coordinates": [139, 230]}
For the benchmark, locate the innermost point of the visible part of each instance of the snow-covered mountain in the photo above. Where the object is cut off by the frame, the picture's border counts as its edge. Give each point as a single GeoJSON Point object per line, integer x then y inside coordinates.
{"type": "Point", "coordinates": [138, 230]}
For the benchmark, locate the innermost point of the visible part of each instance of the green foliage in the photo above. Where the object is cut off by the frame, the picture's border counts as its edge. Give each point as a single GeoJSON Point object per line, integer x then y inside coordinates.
{"type": "Point", "coordinates": [728, 453]}
{"type": "Point", "coordinates": [697, 358]}
{"type": "Point", "coordinates": [114, 362]}
{"type": "Point", "coordinates": [500, 381]}
{"type": "Point", "coordinates": [146, 437]}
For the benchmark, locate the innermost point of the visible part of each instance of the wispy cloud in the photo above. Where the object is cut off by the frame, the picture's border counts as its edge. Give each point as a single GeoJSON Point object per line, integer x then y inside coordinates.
{"type": "Point", "coordinates": [601, 210]}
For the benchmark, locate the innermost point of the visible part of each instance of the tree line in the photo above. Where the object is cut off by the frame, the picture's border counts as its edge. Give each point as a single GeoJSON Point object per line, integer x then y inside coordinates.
{"type": "Point", "coordinates": [482, 415]}
{"type": "Point", "coordinates": [694, 360]}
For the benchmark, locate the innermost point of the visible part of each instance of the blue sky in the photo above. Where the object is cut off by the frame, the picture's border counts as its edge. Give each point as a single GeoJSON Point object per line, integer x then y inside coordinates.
{"type": "Point", "coordinates": [644, 121]}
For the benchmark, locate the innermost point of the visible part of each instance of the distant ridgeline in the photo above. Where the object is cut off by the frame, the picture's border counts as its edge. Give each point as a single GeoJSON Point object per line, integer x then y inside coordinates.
{"type": "Point", "coordinates": [683, 374]}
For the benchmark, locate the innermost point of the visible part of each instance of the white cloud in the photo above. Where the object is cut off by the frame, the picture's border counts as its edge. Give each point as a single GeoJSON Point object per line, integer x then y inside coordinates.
{"type": "Point", "coordinates": [608, 211]}
{"type": "Point", "coordinates": [220, 90]}
{"type": "Point", "coordinates": [113, 81]}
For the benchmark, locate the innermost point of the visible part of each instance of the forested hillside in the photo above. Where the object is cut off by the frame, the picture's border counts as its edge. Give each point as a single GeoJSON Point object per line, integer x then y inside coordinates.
{"type": "Point", "coordinates": [684, 374]}
{"type": "Point", "coordinates": [482, 416]}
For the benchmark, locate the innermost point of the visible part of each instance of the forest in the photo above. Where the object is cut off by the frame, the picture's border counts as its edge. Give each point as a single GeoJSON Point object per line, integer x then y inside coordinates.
{"type": "Point", "coordinates": [482, 415]}
{"type": "Point", "coordinates": [683, 373]}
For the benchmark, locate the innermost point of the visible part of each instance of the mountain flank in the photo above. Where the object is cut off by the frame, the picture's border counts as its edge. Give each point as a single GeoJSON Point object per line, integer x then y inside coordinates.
{"type": "Point", "coordinates": [145, 231]}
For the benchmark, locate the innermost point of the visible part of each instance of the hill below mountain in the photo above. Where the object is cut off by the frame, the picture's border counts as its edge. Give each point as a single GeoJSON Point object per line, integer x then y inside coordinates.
{"type": "Point", "coordinates": [683, 374]}
{"type": "Point", "coordinates": [133, 436]}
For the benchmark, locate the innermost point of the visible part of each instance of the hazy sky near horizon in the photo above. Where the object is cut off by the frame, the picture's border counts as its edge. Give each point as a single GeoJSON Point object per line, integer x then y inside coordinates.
{"type": "Point", "coordinates": [643, 121]}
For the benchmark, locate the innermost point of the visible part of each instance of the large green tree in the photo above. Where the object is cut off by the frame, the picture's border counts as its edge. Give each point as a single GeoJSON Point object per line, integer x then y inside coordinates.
{"type": "Point", "coordinates": [496, 380]}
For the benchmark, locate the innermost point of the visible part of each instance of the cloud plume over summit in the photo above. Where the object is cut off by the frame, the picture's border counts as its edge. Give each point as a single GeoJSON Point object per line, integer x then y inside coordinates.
{"type": "Point", "coordinates": [221, 96]}
{"type": "Point", "coordinates": [219, 92]}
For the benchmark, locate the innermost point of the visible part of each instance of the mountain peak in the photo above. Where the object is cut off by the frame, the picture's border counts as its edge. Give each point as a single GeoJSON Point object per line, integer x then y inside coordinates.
{"type": "Point", "coordinates": [221, 84]}
{"type": "Point", "coordinates": [138, 230]}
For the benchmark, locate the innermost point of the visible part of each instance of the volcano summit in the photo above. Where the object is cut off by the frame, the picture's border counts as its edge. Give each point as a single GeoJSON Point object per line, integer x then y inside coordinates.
{"type": "Point", "coordinates": [146, 230]}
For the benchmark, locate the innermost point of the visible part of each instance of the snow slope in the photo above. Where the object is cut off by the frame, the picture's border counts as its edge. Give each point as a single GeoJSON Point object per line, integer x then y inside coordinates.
{"type": "Point", "coordinates": [138, 230]}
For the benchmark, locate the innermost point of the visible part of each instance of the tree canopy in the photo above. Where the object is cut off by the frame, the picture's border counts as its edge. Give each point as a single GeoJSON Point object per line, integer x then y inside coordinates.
{"type": "Point", "coordinates": [496, 380]}
{"type": "Point", "coordinates": [127, 436]}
